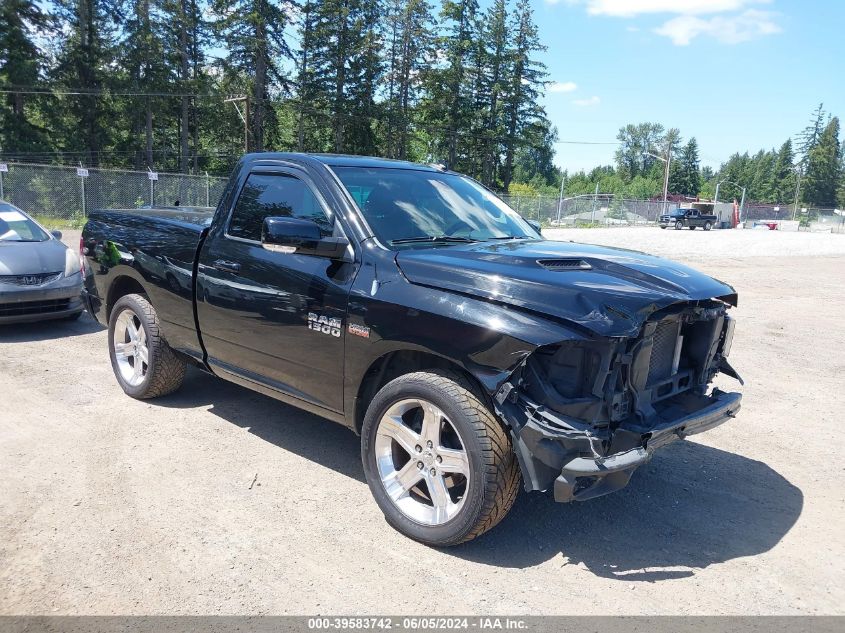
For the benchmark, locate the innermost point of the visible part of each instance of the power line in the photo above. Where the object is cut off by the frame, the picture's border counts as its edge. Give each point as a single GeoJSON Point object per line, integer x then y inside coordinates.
{"type": "Point", "coordinates": [97, 93]}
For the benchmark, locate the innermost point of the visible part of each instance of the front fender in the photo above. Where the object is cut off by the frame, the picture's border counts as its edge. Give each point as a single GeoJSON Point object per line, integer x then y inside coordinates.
{"type": "Point", "coordinates": [486, 339]}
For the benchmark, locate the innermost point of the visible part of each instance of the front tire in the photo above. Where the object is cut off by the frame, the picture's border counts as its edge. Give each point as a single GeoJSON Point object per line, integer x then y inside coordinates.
{"type": "Point", "coordinates": [707, 226]}
{"type": "Point", "coordinates": [679, 225]}
{"type": "Point", "coordinates": [143, 363]}
{"type": "Point", "coordinates": [438, 462]}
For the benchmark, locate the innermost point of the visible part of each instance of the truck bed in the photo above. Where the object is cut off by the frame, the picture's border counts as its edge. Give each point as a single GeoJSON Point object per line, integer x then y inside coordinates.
{"type": "Point", "coordinates": [155, 247]}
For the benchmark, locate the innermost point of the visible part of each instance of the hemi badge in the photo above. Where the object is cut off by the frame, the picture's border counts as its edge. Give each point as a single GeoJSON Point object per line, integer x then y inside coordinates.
{"type": "Point", "coordinates": [359, 330]}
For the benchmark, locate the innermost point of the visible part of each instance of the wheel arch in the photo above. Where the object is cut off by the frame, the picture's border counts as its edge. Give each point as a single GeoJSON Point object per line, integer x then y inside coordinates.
{"type": "Point", "coordinates": [121, 286]}
{"type": "Point", "coordinates": [405, 361]}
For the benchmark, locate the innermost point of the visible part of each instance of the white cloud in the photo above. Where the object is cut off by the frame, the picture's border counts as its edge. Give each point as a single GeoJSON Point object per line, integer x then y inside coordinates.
{"type": "Point", "coordinates": [564, 86]}
{"type": "Point", "coordinates": [630, 8]}
{"type": "Point", "coordinates": [586, 103]}
{"type": "Point", "coordinates": [726, 29]}
{"type": "Point", "coordinates": [726, 21]}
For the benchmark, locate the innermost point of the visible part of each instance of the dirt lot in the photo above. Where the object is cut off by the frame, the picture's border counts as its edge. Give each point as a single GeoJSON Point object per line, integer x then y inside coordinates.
{"type": "Point", "coordinates": [110, 505]}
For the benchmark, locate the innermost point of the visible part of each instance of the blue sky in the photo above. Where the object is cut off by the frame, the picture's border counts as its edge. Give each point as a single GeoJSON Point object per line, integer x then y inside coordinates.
{"type": "Point", "coordinates": [736, 74]}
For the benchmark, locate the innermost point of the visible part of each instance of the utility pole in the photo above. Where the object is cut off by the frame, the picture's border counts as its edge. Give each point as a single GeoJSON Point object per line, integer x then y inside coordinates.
{"type": "Point", "coordinates": [244, 117]}
{"type": "Point", "coordinates": [668, 161]}
{"type": "Point", "coordinates": [560, 198]}
{"type": "Point", "coordinates": [797, 191]}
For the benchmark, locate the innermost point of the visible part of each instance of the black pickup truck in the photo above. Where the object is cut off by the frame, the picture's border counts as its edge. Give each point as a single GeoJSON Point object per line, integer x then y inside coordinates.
{"type": "Point", "coordinates": [690, 218]}
{"type": "Point", "coordinates": [412, 305]}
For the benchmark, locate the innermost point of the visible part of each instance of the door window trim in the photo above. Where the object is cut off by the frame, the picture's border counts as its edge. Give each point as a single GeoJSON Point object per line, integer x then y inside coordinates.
{"type": "Point", "coordinates": [289, 173]}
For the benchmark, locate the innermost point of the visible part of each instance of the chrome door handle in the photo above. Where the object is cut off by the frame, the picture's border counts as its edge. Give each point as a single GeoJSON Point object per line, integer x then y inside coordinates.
{"type": "Point", "coordinates": [227, 266]}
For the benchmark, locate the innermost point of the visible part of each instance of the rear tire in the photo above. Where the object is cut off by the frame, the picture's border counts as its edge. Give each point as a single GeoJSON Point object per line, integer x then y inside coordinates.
{"type": "Point", "coordinates": [144, 364]}
{"type": "Point", "coordinates": [469, 477]}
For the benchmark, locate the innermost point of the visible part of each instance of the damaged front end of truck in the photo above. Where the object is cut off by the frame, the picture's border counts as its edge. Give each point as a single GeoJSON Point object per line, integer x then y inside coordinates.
{"type": "Point", "coordinates": [584, 414]}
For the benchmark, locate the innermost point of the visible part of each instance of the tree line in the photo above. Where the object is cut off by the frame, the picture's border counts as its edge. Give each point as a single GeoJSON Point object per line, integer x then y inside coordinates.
{"type": "Point", "coordinates": [188, 85]}
{"type": "Point", "coordinates": [809, 171]}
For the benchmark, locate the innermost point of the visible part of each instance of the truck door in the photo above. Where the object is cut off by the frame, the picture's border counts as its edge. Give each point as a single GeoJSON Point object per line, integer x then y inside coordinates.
{"type": "Point", "coordinates": [273, 318]}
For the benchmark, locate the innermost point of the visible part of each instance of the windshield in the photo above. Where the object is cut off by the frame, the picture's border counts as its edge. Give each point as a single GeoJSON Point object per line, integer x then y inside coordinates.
{"type": "Point", "coordinates": [412, 207]}
{"type": "Point", "coordinates": [17, 227]}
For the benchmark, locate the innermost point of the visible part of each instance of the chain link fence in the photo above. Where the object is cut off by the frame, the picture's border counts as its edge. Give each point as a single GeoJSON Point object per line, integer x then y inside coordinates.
{"type": "Point", "coordinates": [69, 193]}
{"type": "Point", "coordinates": [589, 210]}
{"type": "Point", "coordinates": [54, 192]}
{"type": "Point", "coordinates": [808, 218]}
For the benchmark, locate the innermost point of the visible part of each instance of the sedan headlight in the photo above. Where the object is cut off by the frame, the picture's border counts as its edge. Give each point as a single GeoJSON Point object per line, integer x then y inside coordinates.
{"type": "Point", "coordinates": [71, 263]}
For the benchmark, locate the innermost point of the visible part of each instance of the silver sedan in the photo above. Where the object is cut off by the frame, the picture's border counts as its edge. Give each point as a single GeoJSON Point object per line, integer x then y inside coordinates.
{"type": "Point", "coordinates": [40, 277]}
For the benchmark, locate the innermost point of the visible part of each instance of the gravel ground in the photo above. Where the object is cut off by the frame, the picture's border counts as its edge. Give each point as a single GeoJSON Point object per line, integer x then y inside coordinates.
{"type": "Point", "coordinates": [710, 245]}
{"type": "Point", "coordinates": [217, 500]}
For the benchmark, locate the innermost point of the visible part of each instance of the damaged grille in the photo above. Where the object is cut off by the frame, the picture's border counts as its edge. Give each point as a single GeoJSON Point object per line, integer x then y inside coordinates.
{"type": "Point", "coordinates": [662, 359]}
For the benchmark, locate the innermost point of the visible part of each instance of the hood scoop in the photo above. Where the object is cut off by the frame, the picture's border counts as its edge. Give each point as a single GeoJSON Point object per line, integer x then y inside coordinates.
{"type": "Point", "coordinates": [564, 264]}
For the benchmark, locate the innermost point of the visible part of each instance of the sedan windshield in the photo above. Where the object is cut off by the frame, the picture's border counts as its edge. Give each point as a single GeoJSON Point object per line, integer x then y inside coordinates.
{"type": "Point", "coordinates": [15, 226]}
{"type": "Point", "coordinates": [416, 207]}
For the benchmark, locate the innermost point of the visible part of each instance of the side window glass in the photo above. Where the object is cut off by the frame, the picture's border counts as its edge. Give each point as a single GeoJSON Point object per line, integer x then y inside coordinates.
{"type": "Point", "coordinates": [274, 195]}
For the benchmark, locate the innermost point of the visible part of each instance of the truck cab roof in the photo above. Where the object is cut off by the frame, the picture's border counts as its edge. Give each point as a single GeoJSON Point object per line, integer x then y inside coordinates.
{"type": "Point", "coordinates": [343, 160]}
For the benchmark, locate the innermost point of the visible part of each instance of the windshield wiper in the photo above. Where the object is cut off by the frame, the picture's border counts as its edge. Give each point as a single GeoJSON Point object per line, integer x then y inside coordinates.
{"type": "Point", "coordinates": [512, 237]}
{"type": "Point", "coordinates": [444, 239]}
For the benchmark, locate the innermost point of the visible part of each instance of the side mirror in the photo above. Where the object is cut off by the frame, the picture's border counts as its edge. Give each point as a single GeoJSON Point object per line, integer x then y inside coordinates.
{"type": "Point", "coordinates": [535, 225]}
{"type": "Point", "coordinates": [293, 235]}
{"type": "Point", "coordinates": [56, 234]}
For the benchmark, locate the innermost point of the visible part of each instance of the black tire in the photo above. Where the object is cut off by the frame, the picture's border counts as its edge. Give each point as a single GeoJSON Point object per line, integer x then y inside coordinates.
{"type": "Point", "coordinates": [662, 227]}
{"type": "Point", "coordinates": [494, 472]}
{"type": "Point", "coordinates": [707, 226]}
{"type": "Point", "coordinates": [165, 369]}
{"type": "Point", "coordinates": [692, 228]}
{"type": "Point", "coordinates": [679, 225]}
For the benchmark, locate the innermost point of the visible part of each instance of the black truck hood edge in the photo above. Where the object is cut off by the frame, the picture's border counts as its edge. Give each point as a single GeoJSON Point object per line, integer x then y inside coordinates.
{"type": "Point", "coordinates": [611, 293]}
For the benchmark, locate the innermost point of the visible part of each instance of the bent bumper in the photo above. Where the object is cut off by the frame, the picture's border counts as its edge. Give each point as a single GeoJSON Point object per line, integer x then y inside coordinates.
{"type": "Point", "coordinates": [550, 455]}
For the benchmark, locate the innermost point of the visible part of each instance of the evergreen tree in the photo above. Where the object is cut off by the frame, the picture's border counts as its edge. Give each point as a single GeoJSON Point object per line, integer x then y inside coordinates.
{"type": "Point", "coordinates": [411, 39]}
{"type": "Point", "coordinates": [85, 122]}
{"type": "Point", "coordinates": [809, 137]}
{"type": "Point", "coordinates": [525, 120]}
{"type": "Point", "coordinates": [451, 103]}
{"type": "Point", "coordinates": [346, 69]}
{"type": "Point", "coordinates": [685, 178]}
{"type": "Point", "coordinates": [21, 64]}
{"type": "Point", "coordinates": [492, 76]}
{"type": "Point", "coordinates": [824, 164]}
{"type": "Point", "coordinates": [143, 60]}
{"type": "Point", "coordinates": [186, 35]}
{"type": "Point", "coordinates": [253, 34]}
{"type": "Point", "coordinates": [782, 184]}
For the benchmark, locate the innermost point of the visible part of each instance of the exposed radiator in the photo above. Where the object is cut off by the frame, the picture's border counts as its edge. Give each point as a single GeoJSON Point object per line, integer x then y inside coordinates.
{"type": "Point", "coordinates": [663, 351]}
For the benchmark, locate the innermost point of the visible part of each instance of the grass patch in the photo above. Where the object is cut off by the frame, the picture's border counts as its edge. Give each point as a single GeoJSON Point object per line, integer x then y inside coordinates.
{"type": "Point", "coordinates": [75, 222]}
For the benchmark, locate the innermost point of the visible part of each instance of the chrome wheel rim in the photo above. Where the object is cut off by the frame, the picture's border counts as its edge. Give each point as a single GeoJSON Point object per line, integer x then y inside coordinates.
{"type": "Point", "coordinates": [130, 348]}
{"type": "Point", "coordinates": [422, 462]}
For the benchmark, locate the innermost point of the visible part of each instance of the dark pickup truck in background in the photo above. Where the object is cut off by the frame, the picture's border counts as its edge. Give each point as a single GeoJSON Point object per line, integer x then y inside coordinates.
{"type": "Point", "coordinates": [690, 218]}
{"type": "Point", "coordinates": [412, 305]}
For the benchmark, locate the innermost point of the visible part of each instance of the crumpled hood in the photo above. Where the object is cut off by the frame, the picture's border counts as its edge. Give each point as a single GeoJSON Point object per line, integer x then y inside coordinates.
{"type": "Point", "coordinates": [31, 258]}
{"type": "Point", "coordinates": [611, 293]}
